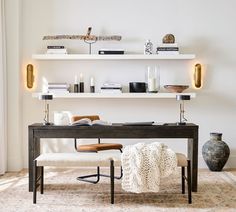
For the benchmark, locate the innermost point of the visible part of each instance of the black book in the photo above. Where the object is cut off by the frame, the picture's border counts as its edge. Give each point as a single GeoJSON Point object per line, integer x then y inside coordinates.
{"type": "Point", "coordinates": [55, 47]}
{"type": "Point", "coordinates": [110, 52]}
{"type": "Point", "coordinates": [146, 123]}
{"type": "Point", "coordinates": [167, 48]}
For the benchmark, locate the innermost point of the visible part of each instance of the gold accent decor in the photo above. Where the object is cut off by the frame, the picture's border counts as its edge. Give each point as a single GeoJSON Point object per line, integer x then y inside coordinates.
{"type": "Point", "coordinates": [198, 75]}
{"type": "Point", "coordinates": [30, 76]}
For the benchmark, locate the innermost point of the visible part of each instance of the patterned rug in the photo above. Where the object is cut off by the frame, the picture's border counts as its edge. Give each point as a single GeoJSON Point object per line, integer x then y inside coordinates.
{"type": "Point", "coordinates": [217, 192]}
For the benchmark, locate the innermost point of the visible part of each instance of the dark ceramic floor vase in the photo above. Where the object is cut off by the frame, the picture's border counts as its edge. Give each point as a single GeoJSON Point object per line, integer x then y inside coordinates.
{"type": "Point", "coordinates": [215, 152]}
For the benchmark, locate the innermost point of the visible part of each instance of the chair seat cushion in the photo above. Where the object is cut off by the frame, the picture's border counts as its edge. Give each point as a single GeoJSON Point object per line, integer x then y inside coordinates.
{"type": "Point", "coordinates": [181, 160]}
{"type": "Point", "coordinates": [98, 147]}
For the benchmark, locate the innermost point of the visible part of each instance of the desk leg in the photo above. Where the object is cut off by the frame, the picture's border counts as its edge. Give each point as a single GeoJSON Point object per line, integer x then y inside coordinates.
{"type": "Point", "coordinates": [193, 156]}
{"type": "Point", "coordinates": [34, 151]}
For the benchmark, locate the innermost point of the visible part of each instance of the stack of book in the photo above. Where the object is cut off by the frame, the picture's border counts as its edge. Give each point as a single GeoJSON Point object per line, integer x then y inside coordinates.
{"type": "Point", "coordinates": [56, 88]}
{"type": "Point", "coordinates": [56, 50]}
{"type": "Point", "coordinates": [111, 88]}
{"type": "Point", "coordinates": [168, 49]}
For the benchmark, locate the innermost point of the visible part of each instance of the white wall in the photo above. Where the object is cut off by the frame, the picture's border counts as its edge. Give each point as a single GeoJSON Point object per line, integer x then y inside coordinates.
{"type": "Point", "coordinates": [201, 27]}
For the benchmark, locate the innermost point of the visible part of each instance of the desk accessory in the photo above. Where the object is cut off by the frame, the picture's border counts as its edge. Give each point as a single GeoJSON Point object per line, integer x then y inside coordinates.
{"type": "Point", "coordinates": [81, 83]}
{"type": "Point", "coordinates": [153, 79]}
{"type": "Point", "coordinates": [148, 47]}
{"type": "Point", "coordinates": [46, 97]}
{"type": "Point", "coordinates": [168, 38]}
{"type": "Point", "coordinates": [92, 85]}
{"type": "Point", "coordinates": [182, 98]}
{"type": "Point", "coordinates": [176, 88]}
{"type": "Point", "coordinates": [76, 86]}
{"type": "Point", "coordinates": [137, 87]}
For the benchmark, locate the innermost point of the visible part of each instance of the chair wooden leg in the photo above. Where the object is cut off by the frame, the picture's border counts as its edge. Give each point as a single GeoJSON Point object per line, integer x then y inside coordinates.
{"type": "Point", "coordinates": [182, 179]}
{"type": "Point", "coordinates": [41, 179]}
{"type": "Point", "coordinates": [189, 182]}
{"type": "Point", "coordinates": [112, 180]}
{"type": "Point", "coordinates": [35, 182]}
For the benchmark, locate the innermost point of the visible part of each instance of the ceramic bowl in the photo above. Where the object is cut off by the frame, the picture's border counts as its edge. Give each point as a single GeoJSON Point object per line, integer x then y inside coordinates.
{"type": "Point", "coordinates": [176, 88]}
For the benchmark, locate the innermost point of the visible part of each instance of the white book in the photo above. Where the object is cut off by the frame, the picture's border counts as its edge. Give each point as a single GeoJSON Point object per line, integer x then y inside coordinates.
{"type": "Point", "coordinates": [168, 52]}
{"type": "Point", "coordinates": [58, 91]}
{"type": "Point", "coordinates": [168, 45]}
{"type": "Point", "coordinates": [111, 85]}
{"type": "Point", "coordinates": [111, 91]}
{"type": "Point", "coordinates": [56, 51]}
{"type": "Point", "coordinates": [88, 122]}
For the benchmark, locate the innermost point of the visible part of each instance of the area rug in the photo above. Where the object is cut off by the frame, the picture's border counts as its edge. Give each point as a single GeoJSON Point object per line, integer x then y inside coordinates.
{"type": "Point", "coordinates": [216, 192]}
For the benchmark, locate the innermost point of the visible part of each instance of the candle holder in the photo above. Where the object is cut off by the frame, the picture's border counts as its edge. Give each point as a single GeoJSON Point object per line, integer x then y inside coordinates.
{"type": "Point", "coordinates": [153, 79]}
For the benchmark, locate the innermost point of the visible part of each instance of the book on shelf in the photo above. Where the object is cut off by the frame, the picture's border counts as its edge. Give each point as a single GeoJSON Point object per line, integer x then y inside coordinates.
{"type": "Point", "coordinates": [167, 48]}
{"type": "Point", "coordinates": [88, 122]}
{"type": "Point", "coordinates": [111, 85]}
{"type": "Point", "coordinates": [55, 47]}
{"type": "Point", "coordinates": [58, 91]}
{"type": "Point", "coordinates": [168, 52]}
{"type": "Point", "coordinates": [168, 45]}
{"type": "Point", "coordinates": [57, 87]}
{"type": "Point", "coordinates": [111, 51]}
{"type": "Point", "coordinates": [110, 91]}
{"type": "Point", "coordinates": [56, 51]}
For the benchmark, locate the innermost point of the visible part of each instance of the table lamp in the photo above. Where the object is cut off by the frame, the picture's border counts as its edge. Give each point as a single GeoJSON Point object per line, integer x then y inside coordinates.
{"type": "Point", "coordinates": [46, 97]}
{"type": "Point", "coordinates": [182, 98]}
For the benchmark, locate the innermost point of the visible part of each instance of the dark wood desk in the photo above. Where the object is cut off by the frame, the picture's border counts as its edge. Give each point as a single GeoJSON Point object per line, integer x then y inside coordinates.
{"type": "Point", "coordinates": [189, 131]}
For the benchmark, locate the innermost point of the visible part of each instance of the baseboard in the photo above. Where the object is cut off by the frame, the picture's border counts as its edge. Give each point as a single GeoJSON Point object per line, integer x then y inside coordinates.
{"type": "Point", "coordinates": [231, 163]}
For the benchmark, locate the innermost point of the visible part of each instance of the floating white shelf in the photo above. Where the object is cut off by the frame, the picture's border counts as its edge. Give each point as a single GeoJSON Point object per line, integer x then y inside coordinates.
{"type": "Point", "coordinates": [116, 96]}
{"type": "Point", "coordinates": [112, 57]}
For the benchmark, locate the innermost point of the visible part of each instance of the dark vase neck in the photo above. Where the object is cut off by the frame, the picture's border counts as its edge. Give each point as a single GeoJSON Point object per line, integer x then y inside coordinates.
{"type": "Point", "coordinates": [216, 136]}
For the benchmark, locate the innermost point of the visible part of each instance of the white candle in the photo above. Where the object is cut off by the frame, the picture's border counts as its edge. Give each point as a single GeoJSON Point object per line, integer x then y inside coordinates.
{"type": "Point", "coordinates": [76, 79]}
{"type": "Point", "coordinates": [81, 77]}
{"type": "Point", "coordinates": [91, 81]}
{"type": "Point", "coordinates": [152, 84]}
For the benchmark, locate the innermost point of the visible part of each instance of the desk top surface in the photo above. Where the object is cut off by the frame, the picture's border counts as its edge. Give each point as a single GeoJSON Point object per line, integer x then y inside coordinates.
{"type": "Point", "coordinates": [114, 125]}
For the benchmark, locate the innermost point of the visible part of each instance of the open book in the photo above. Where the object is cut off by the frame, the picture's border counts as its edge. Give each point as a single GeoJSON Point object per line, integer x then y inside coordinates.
{"type": "Point", "coordinates": [88, 122]}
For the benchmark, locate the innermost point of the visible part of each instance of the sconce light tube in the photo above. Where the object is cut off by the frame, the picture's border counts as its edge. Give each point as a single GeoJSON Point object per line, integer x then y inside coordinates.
{"type": "Point", "coordinates": [198, 75]}
{"type": "Point", "coordinates": [30, 76]}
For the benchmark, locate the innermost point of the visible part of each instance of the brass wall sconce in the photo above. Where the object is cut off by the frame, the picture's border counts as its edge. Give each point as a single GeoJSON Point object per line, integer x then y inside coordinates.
{"type": "Point", "coordinates": [30, 76]}
{"type": "Point", "coordinates": [198, 75]}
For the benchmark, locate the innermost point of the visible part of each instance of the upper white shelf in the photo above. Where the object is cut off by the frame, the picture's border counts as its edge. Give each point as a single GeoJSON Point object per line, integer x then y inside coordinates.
{"type": "Point", "coordinates": [112, 57]}
{"type": "Point", "coordinates": [116, 96]}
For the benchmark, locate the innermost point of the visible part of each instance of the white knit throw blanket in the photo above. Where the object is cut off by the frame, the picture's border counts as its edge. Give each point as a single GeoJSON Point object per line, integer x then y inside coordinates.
{"type": "Point", "coordinates": [145, 164]}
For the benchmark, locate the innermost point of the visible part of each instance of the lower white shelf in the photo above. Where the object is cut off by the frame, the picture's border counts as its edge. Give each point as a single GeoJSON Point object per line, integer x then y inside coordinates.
{"type": "Point", "coordinates": [116, 96]}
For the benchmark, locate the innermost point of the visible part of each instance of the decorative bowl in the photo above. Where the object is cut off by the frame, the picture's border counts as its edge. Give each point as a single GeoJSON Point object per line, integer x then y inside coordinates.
{"type": "Point", "coordinates": [176, 88]}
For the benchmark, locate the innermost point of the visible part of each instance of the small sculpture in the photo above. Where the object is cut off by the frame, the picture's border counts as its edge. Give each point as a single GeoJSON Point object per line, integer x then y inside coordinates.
{"type": "Point", "coordinates": [168, 38]}
{"type": "Point", "coordinates": [88, 38]}
{"type": "Point", "coordinates": [148, 47]}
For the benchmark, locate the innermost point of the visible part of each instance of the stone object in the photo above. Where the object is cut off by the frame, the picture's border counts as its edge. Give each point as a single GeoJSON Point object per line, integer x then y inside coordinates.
{"type": "Point", "coordinates": [215, 152]}
{"type": "Point", "coordinates": [169, 38]}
